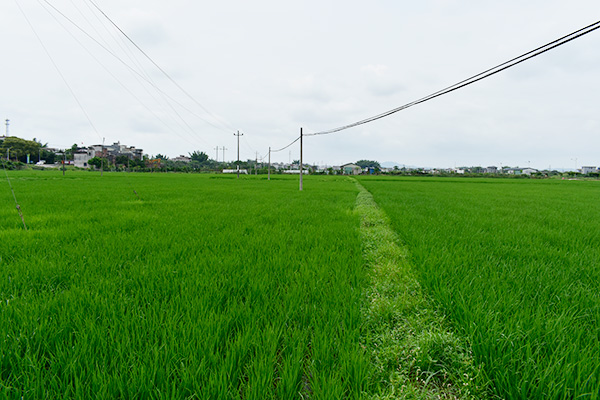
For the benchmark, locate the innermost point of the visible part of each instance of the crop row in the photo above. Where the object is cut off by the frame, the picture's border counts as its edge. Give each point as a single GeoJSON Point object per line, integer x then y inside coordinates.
{"type": "Point", "coordinates": [515, 267]}
{"type": "Point", "coordinates": [203, 287]}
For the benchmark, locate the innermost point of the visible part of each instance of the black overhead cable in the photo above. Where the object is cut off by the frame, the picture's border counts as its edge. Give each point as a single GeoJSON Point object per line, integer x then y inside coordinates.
{"type": "Point", "coordinates": [161, 70]}
{"type": "Point", "coordinates": [83, 110]}
{"type": "Point", "coordinates": [473, 79]}
{"type": "Point", "coordinates": [125, 87]}
{"type": "Point", "coordinates": [283, 148]}
{"type": "Point", "coordinates": [162, 92]}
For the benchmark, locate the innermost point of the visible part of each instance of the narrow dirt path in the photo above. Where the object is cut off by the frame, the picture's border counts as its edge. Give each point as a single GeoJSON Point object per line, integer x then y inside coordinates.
{"type": "Point", "coordinates": [415, 354]}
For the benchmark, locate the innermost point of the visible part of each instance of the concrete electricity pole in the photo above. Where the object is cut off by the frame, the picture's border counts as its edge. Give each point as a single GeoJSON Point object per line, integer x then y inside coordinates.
{"type": "Point", "coordinates": [300, 159]}
{"type": "Point", "coordinates": [269, 174]}
{"type": "Point", "coordinates": [238, 152]}
{"type": "Point", "coordinates": [7, 123]}
{"type": "Point", "coordinates": [217, 155]}
{"type": "Point", "coordinates": [102, 160]}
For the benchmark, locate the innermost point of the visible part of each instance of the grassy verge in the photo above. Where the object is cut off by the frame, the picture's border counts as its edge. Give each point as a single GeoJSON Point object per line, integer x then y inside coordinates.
{"type": "Point", "coordinates": [415, 354]}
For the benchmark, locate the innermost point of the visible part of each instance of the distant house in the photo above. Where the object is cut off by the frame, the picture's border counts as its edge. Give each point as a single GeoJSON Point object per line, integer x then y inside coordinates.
{"type": "Point", "coordinates": [491, 170]}
{"type": "Point", "coordinates": [182, 158]}
{"type": "Point", "coordinates": [82, 156]}
{"type": "Point", "coordinates": [587, 170]}
{"type": "Point", "coordinates": [116, 149]}
{"type": "Point", "coordinates": [351, 169]}
{"type": "Point", "coordinates": [529, 171]}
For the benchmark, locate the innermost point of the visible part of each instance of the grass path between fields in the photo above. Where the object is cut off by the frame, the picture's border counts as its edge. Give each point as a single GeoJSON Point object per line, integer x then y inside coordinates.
{"type": "Point", "coordinates": [415, 353]}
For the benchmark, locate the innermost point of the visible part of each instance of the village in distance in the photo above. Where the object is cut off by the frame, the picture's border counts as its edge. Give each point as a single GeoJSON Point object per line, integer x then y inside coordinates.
{"type": "Point", "coordinates": [20, 153]}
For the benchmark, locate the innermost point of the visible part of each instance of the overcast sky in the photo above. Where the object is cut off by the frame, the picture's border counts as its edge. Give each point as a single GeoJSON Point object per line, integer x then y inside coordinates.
{"type": "Point", "coordinates": [267, 68]}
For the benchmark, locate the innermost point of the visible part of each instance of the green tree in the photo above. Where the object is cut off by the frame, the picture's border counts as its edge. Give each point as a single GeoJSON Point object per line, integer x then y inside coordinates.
{"type": "Point", "coordinates": [97, 162]}
{"type": "Point", "coordinates": [71, 151]}
{"type": "Point", "coordinates": [19, 148]}
{"type": "Point", "coordinates": [122, 159]}
{"type": "Point", "coordinates": [368, 164]}
{"type": "Point", "coordinates": [199, 156]}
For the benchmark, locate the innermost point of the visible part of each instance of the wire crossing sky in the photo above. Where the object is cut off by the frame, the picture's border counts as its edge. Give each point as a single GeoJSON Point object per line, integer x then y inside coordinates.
{"type": "Point", "coordinates": [473, 79]}
{"type": "Point", "coordinates": [268, 68]}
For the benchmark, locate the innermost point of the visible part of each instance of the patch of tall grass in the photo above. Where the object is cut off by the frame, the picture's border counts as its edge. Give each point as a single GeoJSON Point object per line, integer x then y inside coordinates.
{"type": "Point", "coordinates": [514, 265]}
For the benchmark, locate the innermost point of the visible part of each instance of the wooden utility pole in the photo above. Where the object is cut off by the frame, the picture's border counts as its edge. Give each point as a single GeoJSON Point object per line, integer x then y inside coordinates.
{"type": "Point", "coordinates": [300, 159]}
{"type": "Point", "coordinates": [238, 152]}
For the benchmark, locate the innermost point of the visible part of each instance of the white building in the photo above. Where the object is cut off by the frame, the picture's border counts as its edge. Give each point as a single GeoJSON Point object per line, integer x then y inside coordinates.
{"type": "Point", "coordinates": [82, 156]}
{"type": "Point", "coordinates": [529, 171]}
{"type": "Point", "coordinates": [351, 169]}
{"type": "Point", "coordinates": [587, 170]}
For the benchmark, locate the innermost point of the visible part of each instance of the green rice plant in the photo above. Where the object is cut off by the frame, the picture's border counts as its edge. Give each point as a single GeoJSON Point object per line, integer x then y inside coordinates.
{"type": "Point", "coordinates": [205, 286]}
{"type": "Point", "coordinates": [514, 265]}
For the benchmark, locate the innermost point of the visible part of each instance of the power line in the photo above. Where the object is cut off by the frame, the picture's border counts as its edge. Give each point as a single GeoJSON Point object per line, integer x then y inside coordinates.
{"type": "Point", "coordinates": [147, 80]}
{"type": "Point", "coordinates": [471, 80]}
{"type": "Point", "coordinates": [283, 148]}
{"type": "Point", "coordinates": [14, 196]}
{"type": "Point", "coordinates": [125, 87]}
{"type": "Point", "coordinates": [58, 70]}
{"type": "Point", "coordinates": [229, 127]}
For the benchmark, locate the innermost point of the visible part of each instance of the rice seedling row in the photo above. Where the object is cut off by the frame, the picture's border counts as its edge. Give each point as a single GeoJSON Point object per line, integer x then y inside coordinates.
{"type": "Point", "coordinates": [204, 287]}
{"type": "Point", "coordinates": [514, 265]}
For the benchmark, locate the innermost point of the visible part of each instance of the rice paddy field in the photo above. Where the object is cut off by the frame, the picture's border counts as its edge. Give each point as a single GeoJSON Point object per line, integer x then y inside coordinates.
{"type": "Point", "coordinates": [205, 286]}
{"type": "Point", "coordinates": [515, 265]}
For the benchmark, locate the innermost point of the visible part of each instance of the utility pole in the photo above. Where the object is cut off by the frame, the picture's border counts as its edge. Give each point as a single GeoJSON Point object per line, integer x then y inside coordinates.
{"type": "Point", "coordinates": [102, 160]}
{"type": "Point", "coordinates": [269, 174]}
{"type": "Point", "coordinates": [217, 155]}
{"type": "Point", "coordinates": [223, 148]}
{"type": "Point", "coordinates": [238, 152]}
{"type": "Point", "coordinates": [7, 123]}
{"type": "Point", "coordinates": [256, 164]}
{"type": "Point", "coordinates": [64, 154]}
{"type": "Point", "coordinates": [300, 159]}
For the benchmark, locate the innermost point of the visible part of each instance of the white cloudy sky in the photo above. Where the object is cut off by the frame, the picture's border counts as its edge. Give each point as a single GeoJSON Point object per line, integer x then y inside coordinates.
{"type": "Point", "coordinates": [269, 67]}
